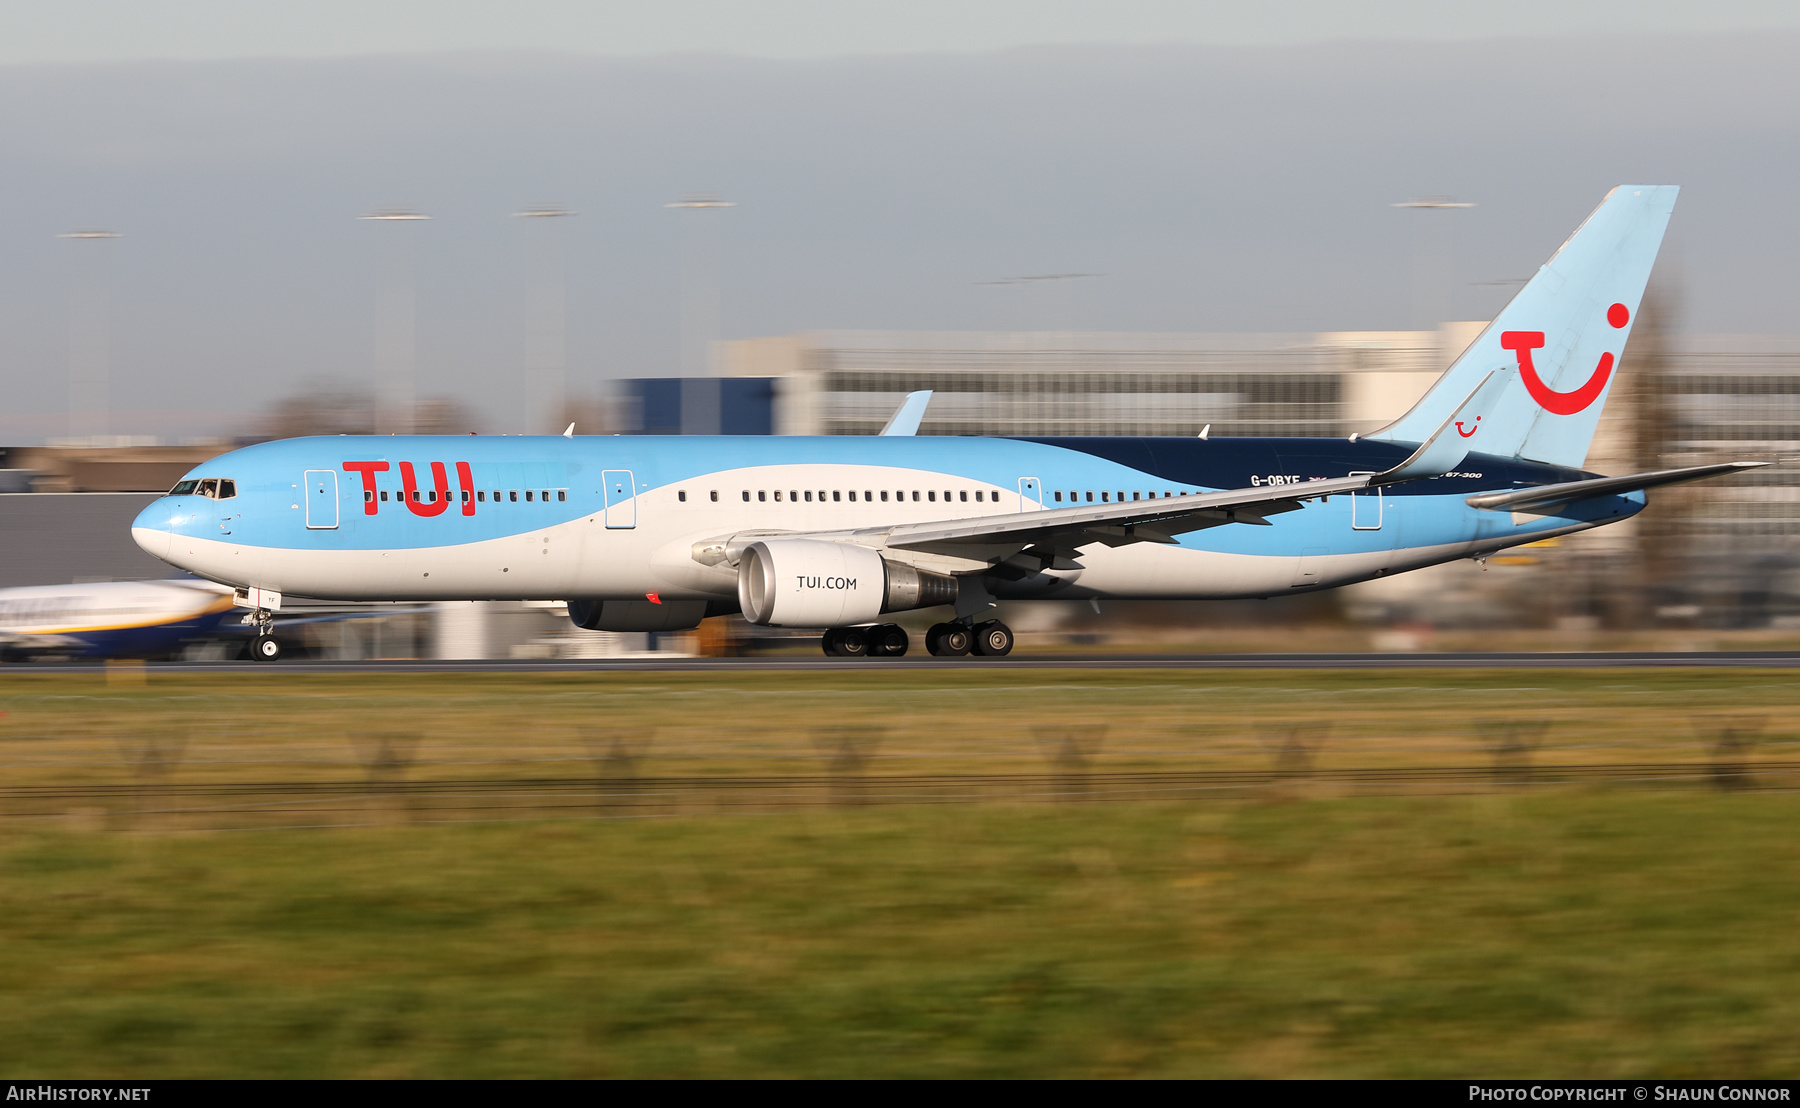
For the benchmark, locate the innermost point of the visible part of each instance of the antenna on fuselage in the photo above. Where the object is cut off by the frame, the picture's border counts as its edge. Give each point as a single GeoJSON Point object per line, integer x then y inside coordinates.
{"type": "Point", "coordinates": [1205, 431]}
{"type": "Point", "coordinates": [569, 431]}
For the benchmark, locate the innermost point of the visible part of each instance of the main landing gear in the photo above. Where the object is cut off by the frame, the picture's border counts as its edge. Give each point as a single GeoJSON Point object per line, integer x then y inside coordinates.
{"type": "Point", "coordinates": [265, 647]}
{"type": "Point", "coordinates": [884, 640]}
{"type": "Point", "coordinates": [992, 639]}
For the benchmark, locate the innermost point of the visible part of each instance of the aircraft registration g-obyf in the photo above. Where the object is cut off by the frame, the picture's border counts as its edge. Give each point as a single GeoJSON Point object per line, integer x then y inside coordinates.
{"type": "Point", "coordinates": [655, 533]}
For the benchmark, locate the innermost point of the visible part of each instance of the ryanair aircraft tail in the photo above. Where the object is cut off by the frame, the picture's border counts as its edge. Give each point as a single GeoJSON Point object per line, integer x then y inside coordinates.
{"type": "Point", "coordinates": [1554, 350]}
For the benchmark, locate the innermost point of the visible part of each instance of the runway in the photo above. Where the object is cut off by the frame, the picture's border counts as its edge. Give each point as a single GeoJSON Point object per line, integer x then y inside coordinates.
{"type": "Point", "coordinates": [1745, 659]}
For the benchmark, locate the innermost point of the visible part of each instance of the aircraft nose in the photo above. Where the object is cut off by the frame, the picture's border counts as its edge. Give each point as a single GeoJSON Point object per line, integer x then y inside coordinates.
{"type": "Point", "coordinates": [154, 529]}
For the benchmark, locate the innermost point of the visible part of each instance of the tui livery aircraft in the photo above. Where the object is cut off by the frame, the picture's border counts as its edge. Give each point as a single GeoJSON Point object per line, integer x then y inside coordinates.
{"type": "Point", "coordinates": [656, 533]}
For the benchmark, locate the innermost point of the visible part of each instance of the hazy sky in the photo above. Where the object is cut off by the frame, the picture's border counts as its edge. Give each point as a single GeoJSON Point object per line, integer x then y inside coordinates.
{"type": "Point", "coordinates": [1215, 188]}
{"type": "Point", "coordinates": [90, 30]}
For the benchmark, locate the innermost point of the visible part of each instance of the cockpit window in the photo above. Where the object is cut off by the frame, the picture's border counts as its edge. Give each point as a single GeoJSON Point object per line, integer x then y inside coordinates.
{"type": "Point", "coordinates": [218, 488]}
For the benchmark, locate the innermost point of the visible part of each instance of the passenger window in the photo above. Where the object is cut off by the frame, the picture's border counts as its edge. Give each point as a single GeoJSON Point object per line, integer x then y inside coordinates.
{"type": "Point", "coordinates": [384, 496]}
{"type": "Point", "coordinates": [760, 495]}
{"type": "Point", "coordinates": [746, 496]}
{"type": "Point", "coordinates": [1090, 498]}
{"type": "Point", "coordinates": [809, 496]}
{"type": "Point", "coordinates": [465, 496]}
{"type": "Point", "coordinates": [821, 496]}
{"type": "Point", "coordinates": [777, 496]}
{"type": "Point", "coordinates": [1135, 496]}
{"type": "Point", "coordinates": [1167, 494]}
{"type": "Point", "coordinates": [931, 495]}
{"type": "Point", "coordinates": [1121, 496]}
{"type": "Point", "coordinates": [528, 493]}
{"type": "Point", "coordinates": [835, 497]}
{"type": "Point", "coordinates": [884, 496]}
{"type": "Point", "coordinates": [431, 496]}
{"type": "Point", "coordinates": [715, 496]}
{"type": "Point", "coordinates": [915, 496]}
{"type": "Point", "coordinates": [481, 495]}
{"type": "Point", "coordinates": [977, 496]}
{"type": "Point", "coordinates": [793, 496]}
{"type": "Point", "coordinates": [546, 496]}
{"type": "Point", "coordinates": [867, 495]}
{"type": "Point", "coordinates": [964, 497]}
{"type": "Point", "coordinates": [368, 496]}
{"type": "Point", "coordinates": [513, 495]}
{"type": "Point", "coordinates": [563, 494]}
{"type": "Point", "coordinates": [1059, 496]}
{"type": "Point", "coordinates": [682, 496]}
{"type": "Point", "coordinates": [1103, 496]}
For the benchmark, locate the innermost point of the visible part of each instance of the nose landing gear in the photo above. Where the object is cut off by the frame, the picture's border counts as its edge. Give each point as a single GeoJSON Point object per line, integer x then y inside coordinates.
{"type": "Point", "coordinates": [265, 647]}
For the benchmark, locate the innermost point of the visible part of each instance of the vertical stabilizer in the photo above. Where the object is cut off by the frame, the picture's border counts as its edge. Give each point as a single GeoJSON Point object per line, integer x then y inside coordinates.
{"type": "Point", "coordinates": [1561, 337]}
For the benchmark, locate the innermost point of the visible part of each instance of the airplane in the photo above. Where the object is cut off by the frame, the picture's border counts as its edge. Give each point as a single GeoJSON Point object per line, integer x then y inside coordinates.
{"type": "Point", "coordinates": [131, 619]}
{"type": "Point", "coordinates": [834, 533]}
{"type": "Point", "coordinates": [110, 619]}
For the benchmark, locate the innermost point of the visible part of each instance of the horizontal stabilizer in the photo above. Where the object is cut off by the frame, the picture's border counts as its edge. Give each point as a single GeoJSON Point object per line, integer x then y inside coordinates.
{"type": "Point", "coordinates": [1544, 496]}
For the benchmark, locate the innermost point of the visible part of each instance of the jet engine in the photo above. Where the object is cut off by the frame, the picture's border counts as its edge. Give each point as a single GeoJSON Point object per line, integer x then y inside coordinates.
{"type": "Point", "coordinates": [812, 583]}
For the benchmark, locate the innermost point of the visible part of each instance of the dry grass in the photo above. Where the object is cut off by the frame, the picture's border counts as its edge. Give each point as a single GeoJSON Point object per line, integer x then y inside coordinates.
{"type": "Point", "coordinates": [1577, 931]}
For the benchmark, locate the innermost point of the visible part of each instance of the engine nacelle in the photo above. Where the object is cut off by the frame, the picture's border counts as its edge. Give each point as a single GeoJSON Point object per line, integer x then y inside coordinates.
{"type": "Point", "coordinates": [812, 583]}
{"type": "Point", "coordinates": [637, 615]}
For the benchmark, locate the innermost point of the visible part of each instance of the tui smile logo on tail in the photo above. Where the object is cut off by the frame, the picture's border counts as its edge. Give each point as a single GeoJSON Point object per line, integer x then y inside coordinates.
{"type": "Point", "coordinates": [1522, 343]}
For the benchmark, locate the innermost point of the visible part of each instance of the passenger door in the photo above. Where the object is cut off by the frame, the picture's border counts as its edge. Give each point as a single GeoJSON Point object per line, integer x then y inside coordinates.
{"type": "Point", "coordinates": [1365, 506]}
{"type": "Point", "coordinates": [621, 498]}
{"type": "Point", "coordinates": [321, 500]}
{"type": "Point", "coordinates": [1031, 494]}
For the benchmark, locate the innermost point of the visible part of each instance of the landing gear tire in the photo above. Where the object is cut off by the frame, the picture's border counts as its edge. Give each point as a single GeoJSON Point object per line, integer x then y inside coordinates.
{"type": "Point", "coordinates": [265, 648]}
{"type": "Point", "coordinates": [846, 642]}
{"type": "Point", "coordinates": [888, 640]}
{"type": "Point", "coordinates": [993, 639]}
{"type": "Point", "coordinates": [948, 640]}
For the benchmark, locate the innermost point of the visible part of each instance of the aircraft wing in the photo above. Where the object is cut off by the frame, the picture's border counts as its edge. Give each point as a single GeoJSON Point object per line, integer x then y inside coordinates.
{"type": "Point", "coordinates": [1057, 532]}
{"type": "Point", "coordinates": [1115, 524]}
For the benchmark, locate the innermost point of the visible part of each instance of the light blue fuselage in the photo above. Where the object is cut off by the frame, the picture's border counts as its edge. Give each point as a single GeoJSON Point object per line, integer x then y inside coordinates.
{"type": "Point", "coordinates": [337, 517]}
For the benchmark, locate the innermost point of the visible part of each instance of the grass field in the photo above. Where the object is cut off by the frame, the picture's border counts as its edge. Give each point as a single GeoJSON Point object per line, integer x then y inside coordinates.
{"type": "Point", "coordinates": [1289, 929]}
